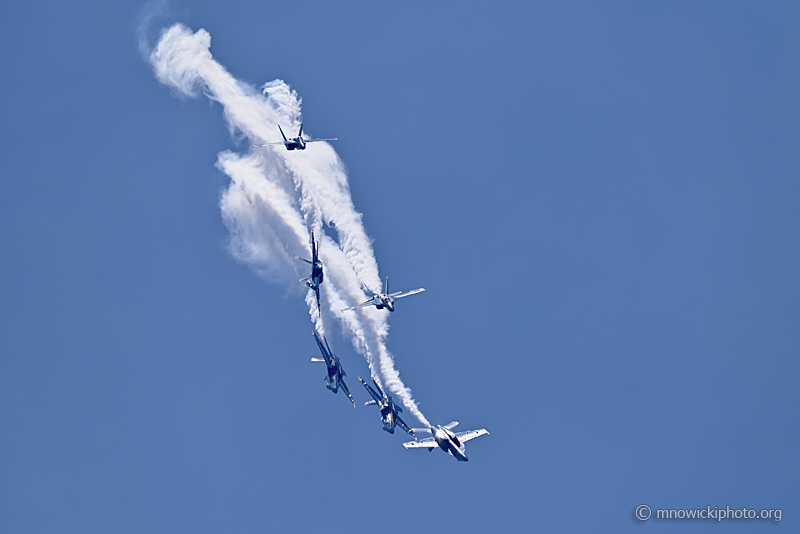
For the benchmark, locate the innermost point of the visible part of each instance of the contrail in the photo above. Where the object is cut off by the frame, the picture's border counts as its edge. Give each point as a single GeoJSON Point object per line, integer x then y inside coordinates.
{"type": "Point", "coordinates": [273, 201]}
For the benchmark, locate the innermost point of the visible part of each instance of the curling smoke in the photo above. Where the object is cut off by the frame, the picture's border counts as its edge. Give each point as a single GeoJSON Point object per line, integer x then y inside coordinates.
{"type": "Point", "coordinates": [273, 201]}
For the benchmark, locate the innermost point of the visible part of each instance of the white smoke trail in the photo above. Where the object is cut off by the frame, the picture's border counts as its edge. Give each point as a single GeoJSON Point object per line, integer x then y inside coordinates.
{"type": "Point", "coordinates": [276, 198]}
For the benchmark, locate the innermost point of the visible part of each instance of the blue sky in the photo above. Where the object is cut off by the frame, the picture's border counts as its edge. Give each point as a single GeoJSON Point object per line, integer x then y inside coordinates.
{"type": "Point", "coordinates": [601, 201]}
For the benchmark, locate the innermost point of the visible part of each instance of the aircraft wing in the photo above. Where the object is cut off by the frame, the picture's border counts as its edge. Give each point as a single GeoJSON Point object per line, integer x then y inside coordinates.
{"type": "Point", "coordinates": [371, 391]}
{"type": "Point", "coordinates": [426, 443]}
{"type": "Point", "coordinates": [347, 391]}
{"type": "Point", "coordinates": [315, 140]}
{"type": "Point", "coordinates": [305, 260]}
{"type": "Point", "coordinates": [370, 302]}
{"type": "Point", "coordinates": [402, 424]}
{"type": "Point", "coordinates": [266, 144]}
{"type": "Point", "coordinates": [471, 434]}
{"type": "Point", "coordinates": [401, 294]}
{"type": "Point", "coordinates": [322, 348]}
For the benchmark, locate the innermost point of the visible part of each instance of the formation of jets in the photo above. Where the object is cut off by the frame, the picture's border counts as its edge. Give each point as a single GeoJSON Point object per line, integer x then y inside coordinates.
{"type": "Point", "coordinates": [442, 436]}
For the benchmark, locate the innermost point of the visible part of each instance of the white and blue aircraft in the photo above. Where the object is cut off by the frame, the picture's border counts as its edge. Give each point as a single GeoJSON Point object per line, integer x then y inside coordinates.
{"type": "Point", "coordinates": [389, 410]}
{"type": "Point", "coordinates": [385, 299]}
{"type": "Point", "coordinates": [315, 278]}
{"type": "Point", "coordinates": [335, 377]}
{"type": "Point", "coordinates": [443, 437]}
{"type": "Point", "coordinates": [294, 143]}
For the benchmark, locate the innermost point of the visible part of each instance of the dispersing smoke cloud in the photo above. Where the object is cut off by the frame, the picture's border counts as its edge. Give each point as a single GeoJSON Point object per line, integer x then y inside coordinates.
{"type": "Point", "coordinates": [276, 198]}
{"type": "Point", "coordinates": [153, 9]}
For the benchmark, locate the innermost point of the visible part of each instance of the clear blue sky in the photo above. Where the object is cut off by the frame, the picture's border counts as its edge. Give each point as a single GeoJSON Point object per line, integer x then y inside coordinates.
{"type": "Point", "coordinates": [602, 202]}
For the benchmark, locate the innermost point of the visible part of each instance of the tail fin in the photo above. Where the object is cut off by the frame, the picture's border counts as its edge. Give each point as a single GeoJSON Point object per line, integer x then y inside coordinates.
{"type": "Point", "coordinates": [386, 287]}
{"type": "Point", "coordinates": [300, 133]}
{"type": "Point", "coordinates": [368, 290]}
{"type": "Point", "coordinates": [282, 134]}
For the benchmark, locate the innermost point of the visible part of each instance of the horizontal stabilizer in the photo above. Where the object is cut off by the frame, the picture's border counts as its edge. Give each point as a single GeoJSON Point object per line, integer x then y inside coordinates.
{"type": "Point", "coordinates": [451, 426]}
{"type": "Point", "coordinates": [418, 430]}
{"type": "Point", "coordinates": [317, 360]}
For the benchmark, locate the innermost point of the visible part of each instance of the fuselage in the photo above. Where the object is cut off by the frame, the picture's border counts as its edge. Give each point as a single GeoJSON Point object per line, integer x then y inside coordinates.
{"type": "Point", "coordinates": [296, 143]}
{"type": "Point", "coordinates": [449, 443]}
{"type": "Point", "coordinates": [334, 375]}
{"type": "Point", "coordinates": [387, 416]}
{"type": "Point", "coordinates": [385, 302]}
{"type": "Point", "coordinates": [316, 276]}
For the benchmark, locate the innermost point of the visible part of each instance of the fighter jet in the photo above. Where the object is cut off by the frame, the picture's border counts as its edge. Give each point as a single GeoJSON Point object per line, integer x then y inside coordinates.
{"type": "Point", "coordinates": [315, 278]}
{"type": "Point", "coordinates": [388, 408]}
{"type": "Point", "coordinates": [448, 441]}
{"type": "Point", "coordinates": [336, 374]}
{"type": "Point", "coordinates": [294, 143]}
{"type": "Point", "coordinates": [385, 299]}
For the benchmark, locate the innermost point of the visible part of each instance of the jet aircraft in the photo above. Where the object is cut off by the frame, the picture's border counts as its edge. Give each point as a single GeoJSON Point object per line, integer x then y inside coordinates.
{"type": "Point", "coordinates": [385, 299]}
{"type": "Point", "coordinates": [336, 374]}
{"type": "Point", "coordinates": [447, 440]}
{"type": "Point", "coordinates": [294, 143]}
{"type": "Point", "coordinates": [315, 278]}
{"type": "Point", "coordinates": [388, 408]}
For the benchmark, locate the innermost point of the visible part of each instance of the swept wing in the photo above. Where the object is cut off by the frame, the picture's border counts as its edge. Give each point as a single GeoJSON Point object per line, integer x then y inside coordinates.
{"type": "Point", "coordinates": [427, 443]}
{"type": "Point", "coordinates": [370, 302]}
{"type": "Point", "coordinates": [344, 388]}
{"type": "Point", "coordinates": [267, 144]}
{"type": "Point", "coordinates": [401, 294]}
{"type": "Point", "coordinates": [471, 434]}
{"type": "Point", "coordinates": [378, 398]}
{"type": "Point", "coordinates": [402, 424]}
